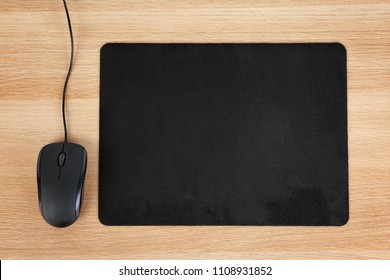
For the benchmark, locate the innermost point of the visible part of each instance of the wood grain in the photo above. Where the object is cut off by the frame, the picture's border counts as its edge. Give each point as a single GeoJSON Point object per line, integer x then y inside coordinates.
{"type": "Point", "coordinates": [34, 53]}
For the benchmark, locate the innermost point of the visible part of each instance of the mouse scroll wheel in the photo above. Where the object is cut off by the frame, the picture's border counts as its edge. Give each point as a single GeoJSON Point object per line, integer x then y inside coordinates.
{"type": "Point", "coordinates": [61, 159]}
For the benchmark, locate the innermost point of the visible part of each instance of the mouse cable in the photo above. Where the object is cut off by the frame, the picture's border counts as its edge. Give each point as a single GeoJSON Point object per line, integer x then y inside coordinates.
{"type": "Point", "coordinates": [68, 75]}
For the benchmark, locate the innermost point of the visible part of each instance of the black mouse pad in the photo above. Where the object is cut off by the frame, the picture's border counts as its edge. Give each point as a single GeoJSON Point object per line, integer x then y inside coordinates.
{"type": "Point", "coordinates": [223, 134]}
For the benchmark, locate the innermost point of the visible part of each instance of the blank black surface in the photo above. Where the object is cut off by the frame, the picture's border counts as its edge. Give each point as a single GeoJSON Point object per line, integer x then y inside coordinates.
{"type": "Point", "coordinates": [223, 134]}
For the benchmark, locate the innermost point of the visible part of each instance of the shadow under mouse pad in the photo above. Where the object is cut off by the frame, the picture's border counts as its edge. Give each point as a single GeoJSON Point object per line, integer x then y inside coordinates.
{"type": "Point", "coordinates": [223, 134]}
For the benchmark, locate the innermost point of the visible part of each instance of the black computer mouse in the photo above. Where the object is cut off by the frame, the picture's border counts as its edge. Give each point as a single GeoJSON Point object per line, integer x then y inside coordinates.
{"type": "Point", "coordinates": [61, 172]}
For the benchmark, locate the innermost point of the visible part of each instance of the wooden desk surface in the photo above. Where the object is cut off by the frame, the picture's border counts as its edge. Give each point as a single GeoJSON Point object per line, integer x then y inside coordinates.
{"type": "Point", "coordinates": [34, 53]}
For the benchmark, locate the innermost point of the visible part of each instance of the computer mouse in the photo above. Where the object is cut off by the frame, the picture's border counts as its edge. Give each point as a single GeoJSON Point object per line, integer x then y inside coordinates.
{"type": "Point", "coordinates": [60, 172]}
